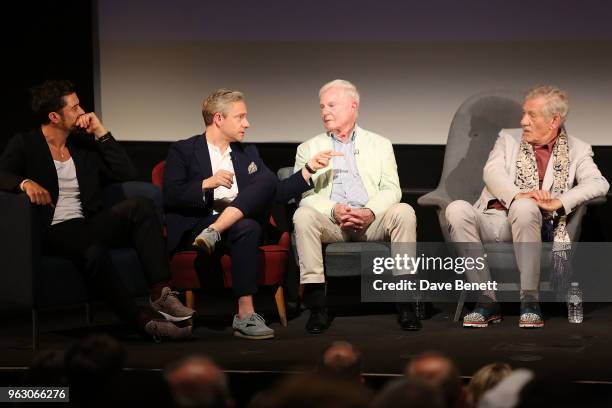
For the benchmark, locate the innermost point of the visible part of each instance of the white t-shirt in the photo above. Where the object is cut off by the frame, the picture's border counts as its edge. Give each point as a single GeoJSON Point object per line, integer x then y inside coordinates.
{"type": "Point", "coordinates": [223, 196]}
{"type": "Point", "coordinates": [69, 201]}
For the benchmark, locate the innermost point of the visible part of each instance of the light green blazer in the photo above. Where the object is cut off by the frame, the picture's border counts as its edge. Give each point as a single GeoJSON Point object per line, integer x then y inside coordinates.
{"type": "Point", "coordinates": [376, 165]}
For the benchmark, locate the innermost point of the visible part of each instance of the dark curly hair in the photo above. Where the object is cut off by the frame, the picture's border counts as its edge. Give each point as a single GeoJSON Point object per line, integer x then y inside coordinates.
{"type": "Point", "coordinates": [49, 97]}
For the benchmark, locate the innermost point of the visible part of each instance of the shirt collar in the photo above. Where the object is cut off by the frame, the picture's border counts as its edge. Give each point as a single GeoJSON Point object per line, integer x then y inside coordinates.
{"type": "Point", "coordinates": [333, 136]}
{"type": "Point", "coordinates": [217, 150]}
{"type": "Point", "coordinates": [548, 146]}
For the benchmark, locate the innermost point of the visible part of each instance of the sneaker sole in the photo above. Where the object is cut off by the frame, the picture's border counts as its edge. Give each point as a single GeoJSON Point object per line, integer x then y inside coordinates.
{"type": "Point", "coordinates": [492, 319]}
{"type": "Point", "coordinates": [171, 318]}
{"type": "Point", "coordinates": [240, 334]}
{"type": "Point", "coordinates": [202, 244]}
{"type": "Point", "coordinates": [526, 325]}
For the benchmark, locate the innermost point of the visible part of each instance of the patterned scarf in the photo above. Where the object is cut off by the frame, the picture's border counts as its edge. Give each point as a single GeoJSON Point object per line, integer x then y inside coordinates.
{"type": "Point", "coordinates": [553, 228]}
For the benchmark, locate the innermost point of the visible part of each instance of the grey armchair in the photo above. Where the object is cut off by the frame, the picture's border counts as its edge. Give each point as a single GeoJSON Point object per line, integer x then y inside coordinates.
{"type": "Point", "coordinates": [473, 132]}
{"type": "Point", "coordinates": [35, 281]}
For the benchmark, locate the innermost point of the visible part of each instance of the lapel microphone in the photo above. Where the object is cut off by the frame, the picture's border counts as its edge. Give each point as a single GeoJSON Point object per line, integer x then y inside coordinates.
{"type": "Point", "coordinates": [356, 151]}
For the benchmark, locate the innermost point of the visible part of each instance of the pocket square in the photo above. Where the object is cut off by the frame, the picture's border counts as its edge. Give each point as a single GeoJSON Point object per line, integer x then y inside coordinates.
{"type": "Point", "coordinates": [252, 168]}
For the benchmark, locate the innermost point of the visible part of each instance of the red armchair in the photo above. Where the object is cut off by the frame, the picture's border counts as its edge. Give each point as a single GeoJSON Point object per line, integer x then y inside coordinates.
{"type": "Point", "coordinates": [271, 261]}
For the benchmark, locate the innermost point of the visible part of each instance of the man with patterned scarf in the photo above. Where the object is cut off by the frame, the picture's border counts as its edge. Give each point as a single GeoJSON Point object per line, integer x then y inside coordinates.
{"type": "Point", "coordinates": [534, 178]}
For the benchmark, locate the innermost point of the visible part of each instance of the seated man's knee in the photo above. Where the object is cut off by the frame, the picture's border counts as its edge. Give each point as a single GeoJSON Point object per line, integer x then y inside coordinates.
{"type": "Point", "coordinates": [458, 212]}
{"type": "Point", "coordinates": [247, 226]}
{"type": "Point", "coordinates": [524, 211]}
{"type": "Point", "coordinates": [139, 205]}
{"type": "Point", "coordinates": [404, 214]}
{"type": "Point", "coordinates": [304, 216]}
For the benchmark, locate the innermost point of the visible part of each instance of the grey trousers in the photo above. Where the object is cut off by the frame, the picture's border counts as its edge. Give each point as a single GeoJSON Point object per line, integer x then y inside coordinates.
{"type": "Point", "coordinates": [521, 224]}
{"type": "Point", "coordinates": [397, 224]}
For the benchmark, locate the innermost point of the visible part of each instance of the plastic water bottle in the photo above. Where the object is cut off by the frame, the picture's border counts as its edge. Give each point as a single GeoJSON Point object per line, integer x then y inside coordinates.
{"type": "Point", "coordinates": [419, 309]}
{"type": "Point", "coordinates": [574, 304]}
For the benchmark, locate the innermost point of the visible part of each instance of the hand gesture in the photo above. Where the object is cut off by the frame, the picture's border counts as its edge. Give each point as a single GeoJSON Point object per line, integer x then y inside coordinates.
{"type": "Point", "coordinates": [321, 159]}
{"type": "Point", "coordinates": [90, 123]}
{"type": "Point", "coordinates": [37, 194]}
{"type": "Point", "coordinates": [220, 178]}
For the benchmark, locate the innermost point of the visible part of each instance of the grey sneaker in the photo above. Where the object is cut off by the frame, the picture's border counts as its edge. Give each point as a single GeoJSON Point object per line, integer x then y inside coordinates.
{"type": "Point", "coordinates": [207, 239]}
{"type": "Point", "coordinates": [170, 307]}
{"type": "Point", "coordinates": [162, 329]}
{"type": "Point", "coordinates": [252, 327]}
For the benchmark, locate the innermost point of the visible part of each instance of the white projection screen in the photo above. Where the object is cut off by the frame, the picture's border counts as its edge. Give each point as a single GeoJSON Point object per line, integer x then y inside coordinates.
{"type": "Point", "coordinates": [413, 62]}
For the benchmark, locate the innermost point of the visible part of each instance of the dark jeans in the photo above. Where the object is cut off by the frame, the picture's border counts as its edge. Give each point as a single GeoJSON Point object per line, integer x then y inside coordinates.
{"type": "Point", "coordinates": [241, 240]}
{"type": "Point", "coordinates": [86, 242]}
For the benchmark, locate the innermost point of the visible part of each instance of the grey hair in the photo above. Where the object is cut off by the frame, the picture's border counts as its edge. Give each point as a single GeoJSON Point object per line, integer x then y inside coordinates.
{"type": "Point", "coordinates": [348, 88]}
{"type": "Point", "coordinates": [556, 100]}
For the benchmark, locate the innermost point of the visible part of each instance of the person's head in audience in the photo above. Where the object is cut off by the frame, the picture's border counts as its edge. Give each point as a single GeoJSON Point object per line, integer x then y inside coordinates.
{"type": "Point", "coordinates": [225, 116]}
{"type": "Point", "coordinates": [196, 381]}
{"type": "Point", "coordinates": [315, 390]}
{"type": "Point", "coordinates": [342, 359]}
{"type": "Point", "coordinates": [47, 369]}
{"type": "Point", "coordinates": [439, 372]}
{"type": "Point", "coordinates": [91, 364]}
{"type": "Point", "coordinates": [486, 378]}
{"type": "Point", "coordinates": [408, 392]}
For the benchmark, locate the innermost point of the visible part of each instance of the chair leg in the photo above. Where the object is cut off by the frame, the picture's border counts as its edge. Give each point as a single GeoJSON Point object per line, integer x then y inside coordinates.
{"type": "Point", "coordinates": [460, 303]}
{"type": "Point", "coordinates": [88, 313]}
{"type": "Point", "coordinates": [279, 298]}
{"type": "Point", "coordinates": [189, 299]}
{"type": "Point", "coordinates": [35, 334]}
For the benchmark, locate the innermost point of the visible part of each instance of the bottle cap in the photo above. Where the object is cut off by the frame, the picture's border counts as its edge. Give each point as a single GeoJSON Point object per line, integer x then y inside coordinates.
{"type": "Point", "coordinates": [574, 284]}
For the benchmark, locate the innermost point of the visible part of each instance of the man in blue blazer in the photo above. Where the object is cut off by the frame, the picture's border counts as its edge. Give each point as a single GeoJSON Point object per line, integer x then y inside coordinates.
{"type": "Point", "coordinates": [218, 191]}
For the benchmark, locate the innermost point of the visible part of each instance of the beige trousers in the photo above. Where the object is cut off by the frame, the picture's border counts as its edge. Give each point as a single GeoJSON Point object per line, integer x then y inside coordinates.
{"type": "Point", "coordinates": [521, 224]}
{"type": "Point", "coordinates": [397, 224]}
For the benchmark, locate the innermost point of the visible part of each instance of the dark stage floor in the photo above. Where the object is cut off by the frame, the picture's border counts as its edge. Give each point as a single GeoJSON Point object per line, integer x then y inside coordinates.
{"type": "Point", "coordinates": [575, 352]}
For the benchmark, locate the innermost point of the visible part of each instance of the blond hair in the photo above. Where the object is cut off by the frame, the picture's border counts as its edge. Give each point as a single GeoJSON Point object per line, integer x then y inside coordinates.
{"type": "Point", "coordinates": [219, 102]}
{"type": "Point", "coordinates": [486, 378]}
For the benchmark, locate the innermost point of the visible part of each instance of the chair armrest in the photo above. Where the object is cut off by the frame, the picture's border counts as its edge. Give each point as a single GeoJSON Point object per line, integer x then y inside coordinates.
{"type": "Point", "coordinates": [117, 192]}
{"type": "Point", "coordinates": [596, 201]}
{"type": "Point", "coordinates": [19, 249]}
{"type": "Point", "coordinates": [435, 198]}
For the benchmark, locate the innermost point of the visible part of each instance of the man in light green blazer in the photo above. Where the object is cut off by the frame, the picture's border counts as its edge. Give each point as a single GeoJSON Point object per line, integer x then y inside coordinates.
{"type": "Point", "coordinates": [355, 198]}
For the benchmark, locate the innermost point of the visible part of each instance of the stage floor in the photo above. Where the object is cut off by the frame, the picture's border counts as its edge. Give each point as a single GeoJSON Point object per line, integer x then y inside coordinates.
{"type": "Point", "coordinates": [575, 352]}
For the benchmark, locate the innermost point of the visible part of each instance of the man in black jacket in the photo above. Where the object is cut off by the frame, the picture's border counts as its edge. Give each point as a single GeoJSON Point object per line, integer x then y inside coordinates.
{"type": "Point", "coordinates": [61, 168]}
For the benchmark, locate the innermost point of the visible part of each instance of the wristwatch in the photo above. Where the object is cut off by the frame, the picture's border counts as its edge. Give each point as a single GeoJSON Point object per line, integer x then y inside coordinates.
{"type": "Point", "coordinates": [309, 169]}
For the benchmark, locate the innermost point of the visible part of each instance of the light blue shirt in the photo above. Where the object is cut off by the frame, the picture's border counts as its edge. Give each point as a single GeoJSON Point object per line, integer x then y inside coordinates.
{"type": "Point", "coordinates": [347, 187]}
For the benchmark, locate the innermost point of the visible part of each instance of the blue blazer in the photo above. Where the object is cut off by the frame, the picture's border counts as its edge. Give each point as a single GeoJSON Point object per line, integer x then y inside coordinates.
{"type": "Point", "coordinates": [188, 164]}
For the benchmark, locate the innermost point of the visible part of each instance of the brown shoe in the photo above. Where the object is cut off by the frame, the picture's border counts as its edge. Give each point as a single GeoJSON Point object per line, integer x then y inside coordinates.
{"type": "Point", "coordinates": [163, 329]}
{"type": "Point", "coordinates": [169, 306]}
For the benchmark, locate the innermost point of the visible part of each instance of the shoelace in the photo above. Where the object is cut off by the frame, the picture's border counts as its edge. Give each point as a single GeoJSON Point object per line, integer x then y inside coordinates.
{"type": "Point", "coordinates": [256, 316]}
{"type": "Point", "coordinates": [169, 293]}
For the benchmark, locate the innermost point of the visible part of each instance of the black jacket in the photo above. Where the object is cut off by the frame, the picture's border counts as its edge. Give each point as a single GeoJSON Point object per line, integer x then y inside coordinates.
{"type": "Point", "coordinates": [188, 164]}
{"type": "Point", "coordinates": [27, 156]}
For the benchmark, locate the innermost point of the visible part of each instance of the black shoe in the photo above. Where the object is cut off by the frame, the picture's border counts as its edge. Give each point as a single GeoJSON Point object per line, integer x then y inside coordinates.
{"type": "Point", "coordinates": [406, 317]}
{"type": "Point", "coordinates": [318, 321]}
